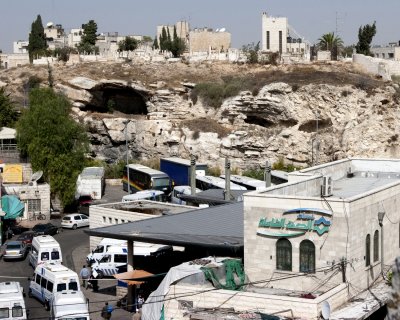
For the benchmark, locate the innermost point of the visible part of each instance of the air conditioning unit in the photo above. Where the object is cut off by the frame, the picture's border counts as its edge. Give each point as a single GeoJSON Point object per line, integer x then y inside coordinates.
{"type": "Point", "coordinates": [326, 186]}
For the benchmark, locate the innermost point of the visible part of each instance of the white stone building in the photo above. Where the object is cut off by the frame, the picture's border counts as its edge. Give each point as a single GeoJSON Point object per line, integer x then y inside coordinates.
{"type": "Point", "coordinates": [324, 238]}
{"type": "Point", "coordinates": [390, 52]}
{"type": "Point", "coordinates": [278, 36]}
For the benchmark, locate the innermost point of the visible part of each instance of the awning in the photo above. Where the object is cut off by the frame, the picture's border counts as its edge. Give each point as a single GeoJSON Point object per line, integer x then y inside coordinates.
{"type": "Point", "coordinates": [133, 277]}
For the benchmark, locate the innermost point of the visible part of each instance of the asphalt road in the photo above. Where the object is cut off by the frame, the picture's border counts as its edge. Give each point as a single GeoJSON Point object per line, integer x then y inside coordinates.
{"type": "Point", "coordinates": [21, 270]}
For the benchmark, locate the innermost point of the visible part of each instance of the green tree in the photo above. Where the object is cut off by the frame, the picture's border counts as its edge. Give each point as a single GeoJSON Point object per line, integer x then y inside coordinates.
{"type": "Point", "coordinates": [251, 51]}
{"type": "Point", "coordinates": [88, 39]}
{"type": "Point", "coordinates": [155, 44]}
{"type": "Point", "coordinates": [177, 46]}
{"type": "Point", "coordinates": [55, 143]}
{"type": "Point", "coordinates": [128, 44]}
{"type": "Point", "coordinates": [365, 36]}
{"type": "Point", "coordinates": [163, 39]}
{"type": "Point", "coordinates": [37, 40]}
{"type": "Point", "coordinates": [8, 114]}
{"type": "Point", "coordinates": [331, 42]}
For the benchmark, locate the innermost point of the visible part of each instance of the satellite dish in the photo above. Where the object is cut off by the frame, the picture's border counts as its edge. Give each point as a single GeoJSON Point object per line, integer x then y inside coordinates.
{"type": "Point", "coordinates": [222, 30]}
{"type": "Point", "coordinates": [49, 24]}
{"type": "Point", "coordinates": [325, 310]}
{"type": "Point", "coordinates": [36, 176]}
{"type": "Point", "coordinates": [217, 30]}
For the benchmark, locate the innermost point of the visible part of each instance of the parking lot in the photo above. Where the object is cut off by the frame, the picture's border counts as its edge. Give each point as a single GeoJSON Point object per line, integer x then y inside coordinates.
{"type": "Point", "coordinates": [75, 246]}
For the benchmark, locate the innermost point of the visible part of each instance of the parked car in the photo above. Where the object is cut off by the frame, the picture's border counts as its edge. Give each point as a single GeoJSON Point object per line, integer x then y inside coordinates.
{"type": "Point", "coordinates": [75, 220]}
{"type": "Point", "coordinates": [15, 250]}
{"type": "Point", "coordinates": [45, 228]}
{"type": "Point", "coordinates": [26, 238]}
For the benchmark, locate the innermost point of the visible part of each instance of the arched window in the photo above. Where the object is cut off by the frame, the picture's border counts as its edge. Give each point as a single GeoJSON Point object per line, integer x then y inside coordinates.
{"type": "Point", "coordinates": [376, 246]}
{"type": "Point", "coordinates": [307, 256]}
{"type": "Point", "coordinates": [283, 255]}
{"type": "Point", "coordinates": [368, 250]}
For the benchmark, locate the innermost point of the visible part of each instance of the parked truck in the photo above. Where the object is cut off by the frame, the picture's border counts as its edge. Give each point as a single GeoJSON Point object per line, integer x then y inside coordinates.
{"type": "Point", "coordinates": [178, 170]}
{"type": "Point", "coordinates": [90, 183]}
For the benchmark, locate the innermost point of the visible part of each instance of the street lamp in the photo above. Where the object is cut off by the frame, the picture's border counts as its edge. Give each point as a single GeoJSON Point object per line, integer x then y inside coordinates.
{"type": "Point", "coordinates": [381, 215]}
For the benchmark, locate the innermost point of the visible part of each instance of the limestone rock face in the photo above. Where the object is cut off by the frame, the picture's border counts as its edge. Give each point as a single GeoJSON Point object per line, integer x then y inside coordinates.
{"type": "Point", "coordinates": [298, 121]}
{"type": "Point", "coordinates": [299, 125]}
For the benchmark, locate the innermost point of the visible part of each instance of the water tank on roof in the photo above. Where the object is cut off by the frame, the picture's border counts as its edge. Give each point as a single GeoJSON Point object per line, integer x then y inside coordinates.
{"type": "Point", "coordinates": [289, 39]}
{"type": "Point", "coordinates": [298, 40]}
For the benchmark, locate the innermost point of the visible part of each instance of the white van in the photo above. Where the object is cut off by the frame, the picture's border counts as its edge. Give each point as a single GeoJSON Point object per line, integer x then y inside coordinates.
{"type": "Point", "coordinates": [116, 257]}
{"type": "Point", "coordinates": [12, 304]}
{"type": "Point", "coordinates": [50, 278]}
{"type": "Point", "coordinates": [178, 190]}
{"type": "Point", "coordinates": [44, 249]}
{"type": "Point", "coordinates": [154, 195]}
{"type": "Point", "coordinates": [69, 305]}
{"type": "Point", "coordinates": [102, 248]}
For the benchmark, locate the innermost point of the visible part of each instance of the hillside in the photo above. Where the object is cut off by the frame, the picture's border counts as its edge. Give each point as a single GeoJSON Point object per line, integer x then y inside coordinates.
{"type": "Point", "coordinates": [273, 116]}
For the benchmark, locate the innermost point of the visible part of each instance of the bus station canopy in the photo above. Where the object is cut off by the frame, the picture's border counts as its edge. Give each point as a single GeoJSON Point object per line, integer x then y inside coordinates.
{"type": "Point", "coordinates": [219, 227]}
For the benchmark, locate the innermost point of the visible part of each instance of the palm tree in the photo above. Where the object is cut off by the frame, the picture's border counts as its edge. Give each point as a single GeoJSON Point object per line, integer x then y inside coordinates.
{"type": "Point", "coordinates": [331, 43]}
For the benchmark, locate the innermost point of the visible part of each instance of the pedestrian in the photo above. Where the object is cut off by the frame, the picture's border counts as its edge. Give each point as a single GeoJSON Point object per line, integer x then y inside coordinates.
{"type": "Point", "coordinates": [106, 311]}
{"type": "Point", "coordinates": [85, 276]}
{"type": "Point", "coordinates": [94, 282]}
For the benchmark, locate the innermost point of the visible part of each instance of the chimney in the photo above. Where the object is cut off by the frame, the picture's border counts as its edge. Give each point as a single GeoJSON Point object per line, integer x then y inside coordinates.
{"type": "Point", "coordinates": [267, 174]}
{"type": "Point", "coordinates": [192, 174]}
{"type": "Point", "coordinates": [227, 195]}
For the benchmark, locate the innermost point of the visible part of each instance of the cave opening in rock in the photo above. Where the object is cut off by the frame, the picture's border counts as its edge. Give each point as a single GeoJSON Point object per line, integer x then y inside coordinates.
{"type": "Point", "coordinates": [311, 125]}
{"type": "Point", "coordinates": [110, 98]}
{"type": "Point", "coordinates": [259, 121]}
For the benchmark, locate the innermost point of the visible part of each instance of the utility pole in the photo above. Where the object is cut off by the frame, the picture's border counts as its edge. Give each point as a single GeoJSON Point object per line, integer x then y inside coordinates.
{"type": "Point", "coordinates": [316, 140]}
{"type": "Point", "coordinates": [343, 268]}
{"type": "Point", "coordinates": [127, 157]}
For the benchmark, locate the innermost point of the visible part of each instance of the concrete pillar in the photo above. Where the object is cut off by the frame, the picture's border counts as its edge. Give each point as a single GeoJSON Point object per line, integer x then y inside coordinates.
{"type": "Point", "coordinates": [192, 175]}
{"type": "Point", "coordinates": [131, 289]}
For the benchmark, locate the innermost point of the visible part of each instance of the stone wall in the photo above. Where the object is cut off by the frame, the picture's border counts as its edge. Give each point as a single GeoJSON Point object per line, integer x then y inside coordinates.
{"type": "Point", "coordinates": [379, 67]}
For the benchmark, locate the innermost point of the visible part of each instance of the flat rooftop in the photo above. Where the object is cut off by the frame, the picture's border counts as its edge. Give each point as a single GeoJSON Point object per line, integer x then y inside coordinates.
{"type": "Point", "coordinates": [148, 207]}
{"type": "Point", "coordinates": [350, 178]}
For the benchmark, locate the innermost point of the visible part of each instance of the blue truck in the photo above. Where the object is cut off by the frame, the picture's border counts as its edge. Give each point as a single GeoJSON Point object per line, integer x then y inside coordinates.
{"type": "Point", "coordinates": [178, 170]}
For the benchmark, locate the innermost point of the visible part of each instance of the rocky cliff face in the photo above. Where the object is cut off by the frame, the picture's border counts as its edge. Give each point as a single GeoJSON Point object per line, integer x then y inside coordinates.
{"type": "Point", "coordinates": [298, 123]}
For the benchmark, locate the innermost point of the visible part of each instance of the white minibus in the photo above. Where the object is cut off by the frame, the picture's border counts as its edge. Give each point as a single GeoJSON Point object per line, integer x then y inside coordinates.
{"type": "Point", "coordinates": [44, 249]}
{"type": "Point", "coordinates": [116, 257]}
{"type": "Point", "coordinates": [12, 304]}
{"type": "Point", "coordinates": [69, 305]}
{"type": "Point", "coordinates": [101, 249]}
{"type": "Point", "coordinates": [50, 278]}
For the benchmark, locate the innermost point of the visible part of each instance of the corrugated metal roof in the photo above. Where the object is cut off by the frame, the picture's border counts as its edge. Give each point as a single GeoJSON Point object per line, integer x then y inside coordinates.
{"type": "Point", "coordinates": [217, 227]}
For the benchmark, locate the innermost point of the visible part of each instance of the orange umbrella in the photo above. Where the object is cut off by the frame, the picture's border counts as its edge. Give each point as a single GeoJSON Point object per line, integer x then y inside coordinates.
{"type": "Point", "coordinates": [130, 277]}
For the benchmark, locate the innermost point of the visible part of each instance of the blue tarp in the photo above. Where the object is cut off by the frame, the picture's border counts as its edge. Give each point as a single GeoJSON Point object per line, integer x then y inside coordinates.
{"type": "Point", "coordinates": [12, 206]}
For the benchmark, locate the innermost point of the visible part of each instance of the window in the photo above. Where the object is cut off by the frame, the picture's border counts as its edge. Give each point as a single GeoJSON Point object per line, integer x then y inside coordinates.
{"type": "Point", "coordinates": [104, 219]}
{"type": "Point", "coordinates": [44, 256]}
{"type": "Point", "coordinates": [61, 287]}
{"type": "Point", "coordinates": [73, 286]}
{"type": "Point", "coordinates": [44, 282]}
{"type": "Point", "coordinates": [283, 255]}
{"type": "Point", "coordinates": [4, 313]}
{"type": "Point", "coordinates": [110, 220]}
{"type": "Point", "coordinates": [391, 55]}
{"type": "Point", "coordinates": [33, 205]}
{"type": "Point", "coordinates": [120, 258]}
{"type": "Point", "coordinates": [77, 218]}
{"type": "Point", "coordinates": [376, 246]}
{"type": "Point", "coordinates": [307, 256]}
{"type": "Point", "coordinates": [17, 311]}
{"type": "Point", "coordinates": [38, 279]}
{"type": "Point", "coordinates": [55, 255]}
{"type": "Point", "coordinates": [280, 41]}
{"type": "Point", "coordinates": [368, 250]}
{"type": "Point", "coordinates": [50, 286]}
{"type": "Point", "coordinates": [116, 220]}
{"type": "Point", "coordinates": [268, 40]}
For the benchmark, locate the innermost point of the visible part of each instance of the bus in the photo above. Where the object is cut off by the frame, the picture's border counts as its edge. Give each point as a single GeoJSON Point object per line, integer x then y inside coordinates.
{"type": "Point", "coordinates": [211, 182]}
{"type": "Point", "coordinates": [145, 178]}
{"type": "Point", "coordinates": [247, 182]}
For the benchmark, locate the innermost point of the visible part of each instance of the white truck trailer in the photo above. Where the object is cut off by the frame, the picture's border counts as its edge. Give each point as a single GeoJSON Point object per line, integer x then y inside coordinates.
{"type": "Point", "coordinates": [90, 183]}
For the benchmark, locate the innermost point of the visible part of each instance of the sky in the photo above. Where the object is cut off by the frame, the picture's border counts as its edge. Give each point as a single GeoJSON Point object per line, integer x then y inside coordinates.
{"type": "Point", "coordinates": [242, 18]}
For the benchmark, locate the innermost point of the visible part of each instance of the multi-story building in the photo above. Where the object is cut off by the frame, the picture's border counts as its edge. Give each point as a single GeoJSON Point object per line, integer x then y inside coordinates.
{"type": "Point", "coordinates": [390, 52]}
{"type": "Point", "coordinates": [20, 46]}
{"type": "Point", "coordinates": [278, 36]}
{"type": "Point", "coordinates": [55, 36]}
{"type": "Point", "coordinates": [182, 30]}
